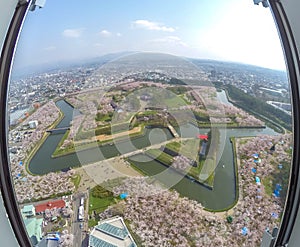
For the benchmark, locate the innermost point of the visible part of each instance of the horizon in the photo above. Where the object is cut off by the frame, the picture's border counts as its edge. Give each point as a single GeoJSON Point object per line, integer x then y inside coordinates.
{"type": "Point", "coordinates": [68, 64]}
{"type": "Point", "coordinates": [222, 31]}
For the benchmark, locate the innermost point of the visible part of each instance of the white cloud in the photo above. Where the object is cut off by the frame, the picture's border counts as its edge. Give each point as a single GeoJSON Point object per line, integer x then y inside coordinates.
{"type": "Point", "coordinates": [149, 25]}
{"type": "Point", "coordinates": [105, 33]}
{"type": "Point", "coordinates": [119, 34]}
{"type": "Point", "coordinates": [170, 40]}
{"type": "Point", "coordinates": [238, 36]}
{"type": "Point", "coordinates": [72, 33]}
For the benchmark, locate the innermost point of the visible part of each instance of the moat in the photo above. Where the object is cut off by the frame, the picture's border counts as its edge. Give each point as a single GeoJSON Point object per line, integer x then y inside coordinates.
{"type": "Point", "coordinates": [223, 194]}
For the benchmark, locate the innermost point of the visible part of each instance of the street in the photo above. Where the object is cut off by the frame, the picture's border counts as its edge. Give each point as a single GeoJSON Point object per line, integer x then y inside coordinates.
{"type": "Point", "coordinates": [78, 233]}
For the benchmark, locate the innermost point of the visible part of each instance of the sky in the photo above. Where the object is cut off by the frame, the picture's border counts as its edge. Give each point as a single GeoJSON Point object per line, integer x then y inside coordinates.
{"type": "Point", "coordinates": [232, 30]}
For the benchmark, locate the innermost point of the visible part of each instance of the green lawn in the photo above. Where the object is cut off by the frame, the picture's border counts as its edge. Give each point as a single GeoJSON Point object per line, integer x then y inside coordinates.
{"type": "Point", "coordinates": [58, 151]}
{"type": "Point", "coordinates": [175, 102]}
{"type": "Point", "coordinates": [161, 156]}
{"type": "Point", "coordinates": [188, 148]}
{"type": "Point", "coordinates": [92, 223]}
{"type": "Point", "coordinates": [99, 204]}
{"type": "Point", "coordinates": [99, 199]}
{"type": "Point", "coordinates": [204, 172]}
{"type": "Point", "coordinates": [76, 180]}
{"type": "Point", "coordinates": [103, 117]}
{"type": "Point", "coordinates": [175, 146]}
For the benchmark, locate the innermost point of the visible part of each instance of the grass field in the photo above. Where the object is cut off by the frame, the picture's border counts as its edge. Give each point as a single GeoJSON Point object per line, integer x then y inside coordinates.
{"type": "Point", "coordinates": [207, 171]}
{"type": "Point", "coordinates": [76, 180]}
{"type": "Point", "coordinates": [175, 102]}
{"type": "Point", "coordinates": [188, 148]}
{"type": "Point", "coordinates": [175, 146]}
{"type": "Point", "coordinates": [161, 156]}
{"type": "Point", "coordinates": [96, 206]}
{"type": "Point", "coordinates": [204, 172]}
{"type": "Point", "coordinates": [99, 204]}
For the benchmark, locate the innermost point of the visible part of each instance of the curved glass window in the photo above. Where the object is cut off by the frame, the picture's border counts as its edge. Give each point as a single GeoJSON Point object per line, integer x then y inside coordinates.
{"type": "Point", "coordinates": [150, 124]}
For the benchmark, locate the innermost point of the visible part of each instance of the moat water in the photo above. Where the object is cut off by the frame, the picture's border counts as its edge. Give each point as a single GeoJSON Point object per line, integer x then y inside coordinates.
{"type": "Point", "coordinates": [221, 196]}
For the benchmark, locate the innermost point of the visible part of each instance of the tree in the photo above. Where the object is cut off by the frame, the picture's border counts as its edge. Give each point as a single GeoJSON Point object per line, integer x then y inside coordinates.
{"type": "Point", "coordinates": [229, 219]}
{"type": "Point", "coordinates": [118, 209]}
{"type": "Point", "coordinates": [100, 192]}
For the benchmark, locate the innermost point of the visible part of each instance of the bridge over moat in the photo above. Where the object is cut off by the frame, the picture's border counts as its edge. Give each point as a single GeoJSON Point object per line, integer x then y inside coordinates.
{"type": "Point", "coordinates": [173, 131]}
{"type": "Point", "coordinates": [58, 130]}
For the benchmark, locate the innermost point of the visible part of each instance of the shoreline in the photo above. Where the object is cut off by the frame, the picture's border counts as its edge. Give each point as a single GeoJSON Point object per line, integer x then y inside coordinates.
{"type": "Point", "coordinates": [122, 138]}
{"type": "Point", "coordinates": [94, 143]}
{"type": "Point", "coordinates": [41, 142]}
{"type": "Point", "coordinates": [238, 196]}
{"type": "Point", "coordinates": [186, 175]}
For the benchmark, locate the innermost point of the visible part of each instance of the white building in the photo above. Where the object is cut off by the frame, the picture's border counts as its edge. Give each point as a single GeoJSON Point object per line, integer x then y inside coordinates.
{"type": "Point", "coordinates": [28, 211]}
{"type": "Point", "coordinates": [33, 124]}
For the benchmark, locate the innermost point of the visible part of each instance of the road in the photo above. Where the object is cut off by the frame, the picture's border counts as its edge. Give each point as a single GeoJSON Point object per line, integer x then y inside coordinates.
{"type": "Point", "coordinates": [76, 231]}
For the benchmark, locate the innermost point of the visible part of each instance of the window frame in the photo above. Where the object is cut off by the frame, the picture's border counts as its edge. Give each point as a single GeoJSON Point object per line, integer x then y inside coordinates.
{"type": "Point", "coordinates": [292, 61]}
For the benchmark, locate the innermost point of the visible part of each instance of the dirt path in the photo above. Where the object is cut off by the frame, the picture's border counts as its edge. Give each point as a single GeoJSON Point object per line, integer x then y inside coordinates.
{"type": "Point", "coordinates": [124, 133]}
{"type": "Point", "coordinates": [98, 172]}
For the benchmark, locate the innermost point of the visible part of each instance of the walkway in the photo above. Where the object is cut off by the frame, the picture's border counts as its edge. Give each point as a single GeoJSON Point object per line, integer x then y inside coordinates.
{"type": "Point", "coordinates": [173, 131]}
{"type": "Point", "coordinates": [154, 146]}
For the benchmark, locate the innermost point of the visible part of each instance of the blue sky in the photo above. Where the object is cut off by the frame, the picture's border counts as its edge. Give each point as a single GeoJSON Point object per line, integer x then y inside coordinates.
{"type": "Point", "coordinates": [232, 30]}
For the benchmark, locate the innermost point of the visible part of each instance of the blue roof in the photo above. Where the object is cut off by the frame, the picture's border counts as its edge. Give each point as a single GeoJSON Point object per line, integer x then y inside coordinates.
{"type": "Point", "coordinates": [96, 242]}
{"type": "Point", "coordinates": [244, 230]}
{"type": "Point", "coordinates": [123, 195]}
{"type": "Point", "coordinates": [277, 193]}
{"type": "Point", "coordinates": [117, 232]}
{"type": "Point", "coordinates": [203, 148]}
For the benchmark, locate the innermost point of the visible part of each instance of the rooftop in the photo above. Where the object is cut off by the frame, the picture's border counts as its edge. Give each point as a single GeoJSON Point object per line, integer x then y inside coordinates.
{"type": "Point", "coordinates": [28, 210]}
{"type": "Point", "coordinates": [111, 233]}
{"type": "Point", "coordinates": [112, 230]}
{"type": "Point", "coordinates": [49, 205]}
{"type": "Point", "coordinates": [34, 229]}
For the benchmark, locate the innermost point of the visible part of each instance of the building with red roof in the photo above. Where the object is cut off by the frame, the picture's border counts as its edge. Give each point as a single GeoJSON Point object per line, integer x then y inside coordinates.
{"type": "Point", "coordinates": [40, 208]}
{"type": "Point", "coordinates": [203, 137]}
